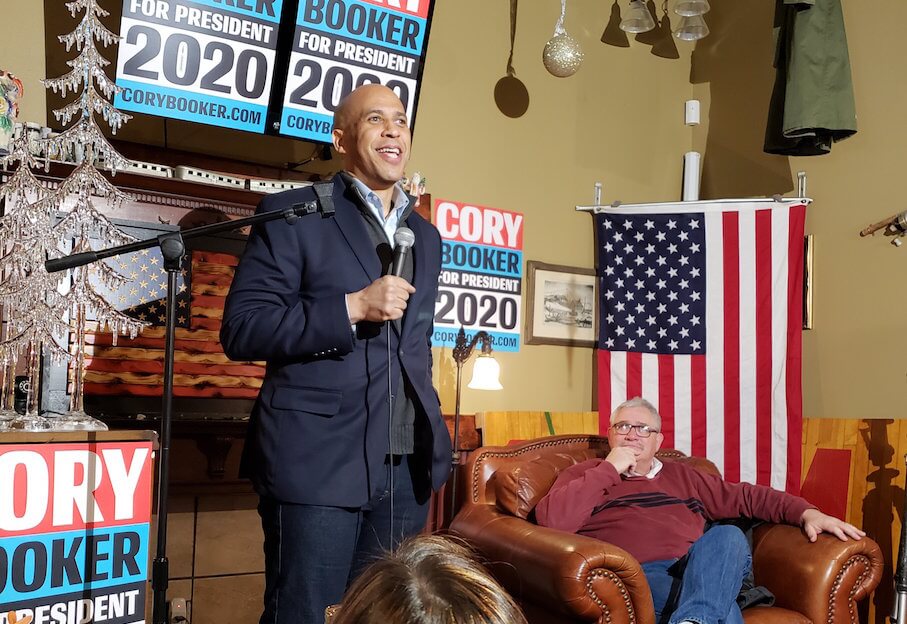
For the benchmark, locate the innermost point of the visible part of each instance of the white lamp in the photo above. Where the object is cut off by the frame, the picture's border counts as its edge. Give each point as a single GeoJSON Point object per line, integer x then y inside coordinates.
{"type": "Point", "coordinates": [486, 373]}
{"type": "Point", "coordinates": [485, 376]}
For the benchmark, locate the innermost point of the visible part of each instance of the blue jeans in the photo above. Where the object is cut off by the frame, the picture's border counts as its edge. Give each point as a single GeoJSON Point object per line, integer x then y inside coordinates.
{"type": "Point", "coordinates": [312, 552]}
{"type": "Point", "coordinates": [707, 592]}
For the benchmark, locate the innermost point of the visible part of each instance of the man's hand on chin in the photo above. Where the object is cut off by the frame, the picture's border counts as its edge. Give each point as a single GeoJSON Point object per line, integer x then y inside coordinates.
{"type": "Point", "coordinates": [814, 522]}
{"type": "Point", "coordinates": [623, 458]}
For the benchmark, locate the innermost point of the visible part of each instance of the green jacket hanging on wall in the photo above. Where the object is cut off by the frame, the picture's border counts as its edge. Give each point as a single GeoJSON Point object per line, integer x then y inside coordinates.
{"type": "Point", "coordinates": [812, 103]}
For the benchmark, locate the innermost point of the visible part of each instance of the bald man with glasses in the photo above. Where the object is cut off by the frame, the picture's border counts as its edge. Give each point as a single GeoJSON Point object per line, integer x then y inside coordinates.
{"type": "Point", "coordinates": [658, 512]}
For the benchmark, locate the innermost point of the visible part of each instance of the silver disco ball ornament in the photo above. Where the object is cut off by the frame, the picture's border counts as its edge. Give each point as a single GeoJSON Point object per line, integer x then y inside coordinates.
{"type": "Point", "coordinates": [562, 55]}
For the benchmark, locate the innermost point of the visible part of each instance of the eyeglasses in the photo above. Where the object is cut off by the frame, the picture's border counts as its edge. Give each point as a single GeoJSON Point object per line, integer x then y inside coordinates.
{"type": "Point", "coordinates": [643, 431]}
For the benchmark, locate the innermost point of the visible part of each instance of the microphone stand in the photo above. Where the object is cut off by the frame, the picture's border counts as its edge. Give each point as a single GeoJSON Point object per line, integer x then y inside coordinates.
{"type": "Point", "coordinates": [173, 250]}
{"type": "Point", "coordinates": [899, 615]}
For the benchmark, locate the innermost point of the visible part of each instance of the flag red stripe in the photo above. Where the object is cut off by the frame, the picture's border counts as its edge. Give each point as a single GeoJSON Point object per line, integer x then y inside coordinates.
{"type": "Point", "coordinates": [214, 258]}
{"type": "Point", "coordinates": [764, 309]}
{"type": "Point", "coordinates": [634, 374]}
{"type": "Point", "coordinates": [204, 282]}
{"type": "Point", "coordinates": [666, 397]}
{"type": "Point", "coordinates": [604, 391]}
{"type": "Point", "coordinates": [731, 259]}
{"type": "Point", "coordinates": [698, 421]}
{"type": "Point", "coordinates": [198, 322]}
{"type": "Point", "coordinates": [141, 342]}
{"type": "Point", "coordinates": [208, 301]}
{"type": "Point", "coordinates": [93, 364]}
{"type": "Point", "coordinates": [104, 365]}
{"type": "Point", "coordinates": [795, 348]}
{"type": "Point", "coordinates": [179, 391]}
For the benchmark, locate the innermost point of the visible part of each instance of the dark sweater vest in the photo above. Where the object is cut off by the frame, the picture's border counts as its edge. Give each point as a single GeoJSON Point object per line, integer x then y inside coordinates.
{"type": "Point", "coordinates": [403, 416]}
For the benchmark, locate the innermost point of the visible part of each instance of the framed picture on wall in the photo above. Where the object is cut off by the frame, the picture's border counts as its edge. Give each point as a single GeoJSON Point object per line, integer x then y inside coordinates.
{"type": "Point", "coordinates": [561, 305]}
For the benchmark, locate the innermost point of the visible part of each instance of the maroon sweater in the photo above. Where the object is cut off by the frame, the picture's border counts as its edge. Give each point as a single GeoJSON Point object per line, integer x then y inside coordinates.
{"type": "Point", "coordinates": [658, 518]}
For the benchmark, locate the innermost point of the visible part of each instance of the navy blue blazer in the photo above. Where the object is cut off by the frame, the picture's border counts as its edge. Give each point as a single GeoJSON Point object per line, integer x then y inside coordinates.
{"type": "Point", "coordinates": [318, 430]}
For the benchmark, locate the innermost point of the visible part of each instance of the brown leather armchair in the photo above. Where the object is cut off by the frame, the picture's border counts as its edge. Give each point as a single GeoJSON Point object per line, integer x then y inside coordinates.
{"type": "Point", "coordinates": [562, 577]}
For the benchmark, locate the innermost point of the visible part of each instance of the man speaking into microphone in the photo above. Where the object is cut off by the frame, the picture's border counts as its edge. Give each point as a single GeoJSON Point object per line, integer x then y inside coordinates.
{"type": "Point", "coordinates": [346, 439]}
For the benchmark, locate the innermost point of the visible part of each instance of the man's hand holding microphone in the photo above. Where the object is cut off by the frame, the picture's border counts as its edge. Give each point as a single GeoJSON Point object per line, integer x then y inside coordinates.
{"type": "Point", "coordinates": [385, 298]}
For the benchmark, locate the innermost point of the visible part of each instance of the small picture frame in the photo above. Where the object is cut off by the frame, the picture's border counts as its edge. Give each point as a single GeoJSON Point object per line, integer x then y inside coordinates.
{"type": "Point", "coordinates": [561, 305]}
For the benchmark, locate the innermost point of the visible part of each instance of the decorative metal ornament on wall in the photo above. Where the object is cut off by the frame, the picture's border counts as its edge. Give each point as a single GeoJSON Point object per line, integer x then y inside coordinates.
{"type": "Point", "coordinates": [562, 55]}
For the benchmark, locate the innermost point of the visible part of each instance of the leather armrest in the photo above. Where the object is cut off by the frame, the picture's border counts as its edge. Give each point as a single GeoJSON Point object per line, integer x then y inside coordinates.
{"type": "Point", "coordinates": [585, 578]}
{"type": "Point", "coordinates": [824, 579]}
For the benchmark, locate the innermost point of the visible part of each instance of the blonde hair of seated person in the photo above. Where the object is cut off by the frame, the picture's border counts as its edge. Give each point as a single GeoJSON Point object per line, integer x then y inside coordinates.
{"type": "Point", "coordinates": [429, 580]}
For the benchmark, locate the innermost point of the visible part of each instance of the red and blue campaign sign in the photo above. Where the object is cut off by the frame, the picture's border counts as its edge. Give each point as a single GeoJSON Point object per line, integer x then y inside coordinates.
{"type": "Point", "coordinates": [206, 61]}
{"type": "Point", "coordinates": [339, 45]}
{"type": "Point", "coordinates": [481, 278]}
{"type": "Point", "coordinates": [74, 521]}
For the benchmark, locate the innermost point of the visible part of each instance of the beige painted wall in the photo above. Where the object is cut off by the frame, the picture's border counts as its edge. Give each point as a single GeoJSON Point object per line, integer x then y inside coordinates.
{"type": "Point", "coordinates": [854, 364]}
{"type": "Point", "coordinates": [22, 53]}
{"type": "Point", "coordinates": [618, 120]}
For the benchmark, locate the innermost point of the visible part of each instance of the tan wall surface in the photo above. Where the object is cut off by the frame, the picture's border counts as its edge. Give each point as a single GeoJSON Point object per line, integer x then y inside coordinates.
{"type": "Point", "coordinates": [618, 120]}
{"type": "Point", "coordinates": [23, 55]}
{"type": "Point", "coordinates": [853, 360]}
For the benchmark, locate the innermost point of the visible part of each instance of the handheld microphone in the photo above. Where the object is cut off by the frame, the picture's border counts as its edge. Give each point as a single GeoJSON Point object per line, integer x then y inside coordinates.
{"type": "Point", "coordinates": [403, 240]}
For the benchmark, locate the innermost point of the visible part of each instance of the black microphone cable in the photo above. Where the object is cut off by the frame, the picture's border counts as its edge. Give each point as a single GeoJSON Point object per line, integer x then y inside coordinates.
{"type": "Point", "coordinates": [390, 439]}
{"type": "Point", "coordinates": [403, 240]}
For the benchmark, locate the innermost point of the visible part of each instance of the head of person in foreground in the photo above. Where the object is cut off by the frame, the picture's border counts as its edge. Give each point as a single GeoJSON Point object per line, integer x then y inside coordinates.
{"type": "Point", "coordinates": [430, 579]}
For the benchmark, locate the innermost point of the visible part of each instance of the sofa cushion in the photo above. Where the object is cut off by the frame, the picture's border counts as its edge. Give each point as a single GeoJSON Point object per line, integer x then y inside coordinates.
{"type": "Point", "coordinates": [520, 486]}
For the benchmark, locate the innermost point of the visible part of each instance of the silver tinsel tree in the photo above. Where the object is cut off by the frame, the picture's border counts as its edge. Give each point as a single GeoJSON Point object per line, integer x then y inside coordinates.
{"type": "Point", "coordinates": [86, 76]}
{"type": "Point", "coordinates": [50, 221]}
{"type": "Point", "coordinates": [33, 308]}
{"type": "Point", "coordinates": [84, 225]}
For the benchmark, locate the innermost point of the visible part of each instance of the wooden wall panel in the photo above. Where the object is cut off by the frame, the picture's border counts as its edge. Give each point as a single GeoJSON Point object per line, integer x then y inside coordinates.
{"type": "Point", "coordinates": [500, 428]}
{"type": "Point", "coordinates": [876, 502]}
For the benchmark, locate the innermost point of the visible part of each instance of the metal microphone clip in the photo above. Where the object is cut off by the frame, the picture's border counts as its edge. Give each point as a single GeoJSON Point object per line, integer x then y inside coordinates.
{"type": "Point", "coordinates": [295, 211]}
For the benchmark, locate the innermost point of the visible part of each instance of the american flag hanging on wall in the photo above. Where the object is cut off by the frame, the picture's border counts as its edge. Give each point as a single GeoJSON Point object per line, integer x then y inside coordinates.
{"type": "Point", "coordinates": [701, 314]}
{"type": "Point", "coordinates": [136, 366]}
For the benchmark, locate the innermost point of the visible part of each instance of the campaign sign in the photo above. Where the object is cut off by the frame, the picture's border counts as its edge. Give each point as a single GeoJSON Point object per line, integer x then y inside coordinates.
{"type": "Point", "coordinates": [74, 521]}
{"type": "Point", "coordinates": [481, 276]}
{"type": "Point", "coordinates": [343, 44]}
{"type": "Point", "coordinates": [207, 61]}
